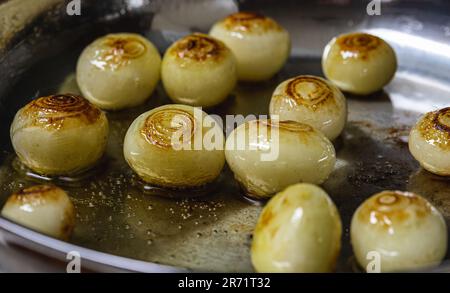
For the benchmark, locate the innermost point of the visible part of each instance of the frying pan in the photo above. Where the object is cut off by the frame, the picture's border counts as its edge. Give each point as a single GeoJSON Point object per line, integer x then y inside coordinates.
{"type": "Point", "coordinates": [122, 227]}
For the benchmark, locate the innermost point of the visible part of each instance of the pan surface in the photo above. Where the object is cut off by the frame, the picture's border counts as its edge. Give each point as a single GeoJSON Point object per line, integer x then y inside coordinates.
{"type": "Point", "coordinates": [122, 224]}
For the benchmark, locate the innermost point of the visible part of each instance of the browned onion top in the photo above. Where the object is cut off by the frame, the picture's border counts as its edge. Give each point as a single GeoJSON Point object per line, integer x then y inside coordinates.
{"type": "Point", "coordinates": [358, 44]}
{"type": "Point", "coordinates": [388, 208]}
{"type": "Point", "coordinates": [118, 50]}
{"type": "Point", "coordinates": [309, 91]}
{"type": "Point", "coordinates": [199, 47]}
{"type": "Point", "coordinates": [250, 22]}
{"type": "Point", "coordinates": [37, 194]}
{"type": "Point", "coordinates": [435, 127]}
{"type": "Point", "coordinates": [288, 125]}
{"type": "Point", "coordinates": [53, 110]}
{"type": "Point", "coordinates": [160, 127]}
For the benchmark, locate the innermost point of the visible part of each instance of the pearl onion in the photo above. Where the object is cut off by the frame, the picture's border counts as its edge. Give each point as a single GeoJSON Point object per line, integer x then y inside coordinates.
{"type": "Point", "coordinates": [160, 146]}
{"type": "Point", "coordinates": [59, 134]}
{"type": "Point", "coordinates": [198, 70]}
{"type": "Point", "coordinates": [359, 63]}
{"type": "Point", "coordinates": [311, 100]}
{"type": "Point", "coordinates": [118, 71]}
{"type": "Point", "coordinates": [404, 228]}
{"type": "Point", "coordinates": [260, 44]}
{"type": "Point", "coordinates": [44, 208]}
{"type": "Point", "coordinates": [299, 154]}
{"type": "Point", "coordinates": [299, 231]}
{"type": "Point", "coordinates": [429, 142]}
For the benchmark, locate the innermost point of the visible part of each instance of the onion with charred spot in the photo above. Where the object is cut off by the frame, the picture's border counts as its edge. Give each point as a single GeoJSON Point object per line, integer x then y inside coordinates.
{"type": "Point", "coordinates": [260, 44]}
{"type": "Point", "coordinates": [198, 70]}
{"type": "Point", "coordinates": [160, 146]}
{"type": "Point", "coordinates": [359, 63]}
{"type": "Point", "coordinates": [266, 156]}
{"type": "Point", "coordinates": [59, 134]}
{"type": "Point", "coordinates": [429, 142]}
{"type": "Point", "coordinates": [405, 230]}
{"type": "Point", "coordinates": [44, 208]}
{"type": "Point", "coordinates": [299, 231]}
{"type": "Point", "coordinates": [311, 100]}
{"type": "Point", "coordinates": [118, 71]}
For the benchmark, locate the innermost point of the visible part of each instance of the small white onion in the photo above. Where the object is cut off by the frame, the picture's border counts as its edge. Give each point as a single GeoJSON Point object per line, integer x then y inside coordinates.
{"type": "Point", "coordinates": [160, 146]}
{"type": "Point", "coordinates": [311, 100]}
{"type": "Point", "coordinates": [299, 231]}
{"type": "Point", "coordinates": [429, 142]}
{"type": "Point", "coordinates": [359, 63]}
{"type": "Point", "coordinates": [266, 156]}
{"type": "Point", "coordinates": [118, 71]}
{"type": "Point", "coordinates": [198, 70]}
{"type": "Point", "coordinates": [405, 230]}
{"type": "Point", "coordinates": [44, 208]}
{"type": "Point", "coordinates": [59, 134]}
{"type": "Point", "coordinates": [260, 44]}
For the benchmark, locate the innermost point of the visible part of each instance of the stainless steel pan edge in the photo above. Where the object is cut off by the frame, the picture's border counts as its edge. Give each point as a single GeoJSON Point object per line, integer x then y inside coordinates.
{"type": "Point", "coordinates": [13, 234]}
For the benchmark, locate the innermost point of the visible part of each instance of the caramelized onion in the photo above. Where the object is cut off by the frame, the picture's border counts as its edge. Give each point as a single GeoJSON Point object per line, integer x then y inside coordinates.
{"type": "Point", "coordinates": [299, 231]}
{"type": "Point", "coordinates": [160, 146]}
{"type": "Point", "coordinates": [45, 208]}
{"type": "Point", "coordinates": [260, 44]}
{"type": "Point", "coordinates": [198, 70]}
{"type": "Point", "coordinates": [403, 228]}
{"type": "Point", "coordinates": [312, 100]}
{"type": "Point", "coordinates": [59, 134]}
{"type": "Point", "coordinates": [359, 63]}
{"type": "Point", "coordinates": [266, 156]}
{"type": "Point", "coordinates": [118, 71]}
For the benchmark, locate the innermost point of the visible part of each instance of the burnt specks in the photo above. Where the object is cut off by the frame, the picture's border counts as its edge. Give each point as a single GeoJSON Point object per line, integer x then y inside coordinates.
{"type": "Point", "coordinates": [358, 45]}
{"type": "Point", "coordinates": [435, 128]}
{"type": "Point", "coordinates": [53, 111]}
{"type": "Point", "coordinates": [160, 127]}
{"type": "Point", "coordinates": [250, 22]}
{"type": "Point", "coordinates": [199, 47]}
{"type": "Point", "coordinates": [390, 208]}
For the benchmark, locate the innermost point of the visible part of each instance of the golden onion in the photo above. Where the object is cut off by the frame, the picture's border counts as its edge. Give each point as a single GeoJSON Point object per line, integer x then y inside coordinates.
{"type": "Point", "coordinates": [266, 156]}
{"type": "Point", "coordinates": [299, 231]}
{"type": "Point", "coordinates": [59, 134]}
{"type": "Point", "coordinates": [429, 142]}
{"type": "Point", "coordinates": [403, 228]}
{"type": "Point", "coordinates": [198, 70]}
{"type": "Point", "coordinates": [311, 100]}
{"type": "Point", "coordinates": [118, 71]}
{"type": "Point", "coordinates": [169, 146]}
{"type": "Point", "coordinates": [44, 208]}
{"type": "Point", "coordinates": [359, 63]}
{"type": "Point", "coordinates": [260, 44]}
